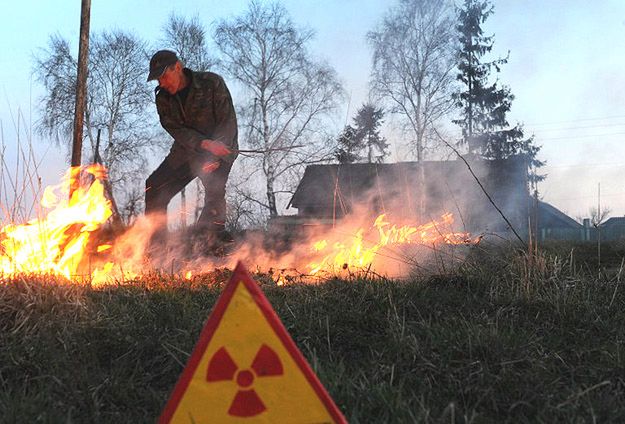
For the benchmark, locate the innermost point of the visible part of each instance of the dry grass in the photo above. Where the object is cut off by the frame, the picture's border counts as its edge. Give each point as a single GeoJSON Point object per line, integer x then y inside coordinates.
{"type": "Point", "coordinates": [507, 337]}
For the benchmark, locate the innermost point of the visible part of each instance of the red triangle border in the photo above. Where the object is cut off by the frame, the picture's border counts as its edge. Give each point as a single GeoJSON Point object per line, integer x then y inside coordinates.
{"type": "Point", "coordinates": [241, 275]}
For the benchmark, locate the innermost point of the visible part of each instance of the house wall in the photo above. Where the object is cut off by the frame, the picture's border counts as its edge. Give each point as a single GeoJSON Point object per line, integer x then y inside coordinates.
{"type": "Point", "coordinates": [590, 234]}
{"type": "Point", "coordinates": [333, 191]}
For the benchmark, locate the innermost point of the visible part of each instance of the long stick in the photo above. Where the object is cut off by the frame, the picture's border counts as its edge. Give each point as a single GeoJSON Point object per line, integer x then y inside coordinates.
{"type": "Point", "coordinates": [274, 149]}
{"type": "Point", "coordinates": [599, 219]}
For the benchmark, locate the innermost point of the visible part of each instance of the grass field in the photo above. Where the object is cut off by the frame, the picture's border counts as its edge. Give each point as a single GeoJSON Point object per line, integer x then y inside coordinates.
{"type": "Point", "coordinates": [506, 337]}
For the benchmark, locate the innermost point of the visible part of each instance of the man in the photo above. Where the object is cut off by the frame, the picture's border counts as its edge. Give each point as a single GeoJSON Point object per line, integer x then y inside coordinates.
{"type": "Point", "coordinates": [196, 109]}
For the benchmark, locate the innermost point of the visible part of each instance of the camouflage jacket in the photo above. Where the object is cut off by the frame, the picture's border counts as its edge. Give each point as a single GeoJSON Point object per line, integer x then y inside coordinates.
{"type": "Point", "coordinates": [206, 113]}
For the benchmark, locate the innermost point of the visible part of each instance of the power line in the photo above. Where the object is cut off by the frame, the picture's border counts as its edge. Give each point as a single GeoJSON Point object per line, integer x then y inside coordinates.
{"type": "Point", "coordinates": [586, 165]}
{"type": "Point", "coordinates": [580, 128]}
{"type": "Point", "coordinates": [578, 136]}
{"type": "Point", "coordinates": [540, 139]}
{"type": "Point", "coordinates": [537, 124]}
{"type": "Point", "coordinates": [590, 196]}
{"type": "Point", "coordinates": [572, 121]}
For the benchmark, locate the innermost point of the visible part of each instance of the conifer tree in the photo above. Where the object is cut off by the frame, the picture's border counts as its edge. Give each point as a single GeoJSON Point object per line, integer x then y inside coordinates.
{"type": "Point", "coordinates": [348, 147]}
{"type": "Point", "coordinates": [484, 105]}
{"type": "Point", "coordinates": [367, 124]}
{"type": "Point", "coordinates": [363, 135]}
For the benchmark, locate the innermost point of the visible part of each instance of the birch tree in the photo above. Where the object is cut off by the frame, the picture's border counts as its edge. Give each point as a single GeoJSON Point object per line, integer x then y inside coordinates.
{"type": "Point", "coordinates": [289, 93]}
{"type": "Point", "coordinates": [413, 62]}
{"type": "Point", "coordinates": [118, 101]}
{"type": "Point", "coordinates": [187, 37]}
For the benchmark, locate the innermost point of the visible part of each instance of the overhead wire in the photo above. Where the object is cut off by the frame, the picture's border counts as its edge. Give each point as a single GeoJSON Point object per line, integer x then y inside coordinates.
{"type": "Point", "coordinates": [536, 124]}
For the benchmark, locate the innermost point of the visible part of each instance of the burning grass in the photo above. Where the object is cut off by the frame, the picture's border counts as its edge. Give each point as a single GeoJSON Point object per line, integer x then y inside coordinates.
{"type": "Point", "coordinates": [479, 333]}
{"type": "Point", "coordinates": [506, 337]}
{"type": "Point", "coordinates": [73, 238]}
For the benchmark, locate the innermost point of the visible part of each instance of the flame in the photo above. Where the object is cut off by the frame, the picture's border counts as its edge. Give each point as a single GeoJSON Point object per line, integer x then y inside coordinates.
{"type": "Point", "coordinates": [57, 243]}
{"type": "Point", "coordinates": [360, 253]}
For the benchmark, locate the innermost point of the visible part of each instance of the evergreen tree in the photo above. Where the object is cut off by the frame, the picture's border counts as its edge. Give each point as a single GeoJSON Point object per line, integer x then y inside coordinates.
{"type": "Point", "coordinates": [367, 124]}
{"type": "Point", "coordinates": [348, 147]}
{"type": "Point", "coordinates": [484, 105]}
{"type": "Point", "coordinates": [363, 135]}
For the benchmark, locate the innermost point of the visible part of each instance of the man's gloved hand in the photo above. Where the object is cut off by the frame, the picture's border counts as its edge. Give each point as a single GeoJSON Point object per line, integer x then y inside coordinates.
{"type": "Point", "coordinates": [217, 148]}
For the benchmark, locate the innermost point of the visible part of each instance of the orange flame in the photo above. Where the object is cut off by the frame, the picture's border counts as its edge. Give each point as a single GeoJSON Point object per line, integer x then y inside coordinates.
{"type": "Point", "coordinates": [360, 253]}
{"type": "Point", "coordinates": [56, 244]}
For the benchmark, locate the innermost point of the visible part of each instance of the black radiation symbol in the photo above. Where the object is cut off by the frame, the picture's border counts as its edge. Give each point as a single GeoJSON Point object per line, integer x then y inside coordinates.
{"type": "Point", "coordinates": [246, 402]}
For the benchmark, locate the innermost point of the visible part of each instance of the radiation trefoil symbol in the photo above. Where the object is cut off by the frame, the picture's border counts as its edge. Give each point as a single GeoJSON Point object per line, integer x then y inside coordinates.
{"type": "Point", "coordinates": [246, 402]}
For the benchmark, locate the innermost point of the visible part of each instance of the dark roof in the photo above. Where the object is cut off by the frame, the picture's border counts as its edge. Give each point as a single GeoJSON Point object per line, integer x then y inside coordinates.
{"type": "Point", "coordinates": [614, 221]}
{"type": "Point", "coordinates": [321, 184]}
{"type": "Point", "coordinates": [552, 217]}
{"type": "Point", "coordinates": [335, 190]}
{"type": "Point", "coordinates": [332, 190]}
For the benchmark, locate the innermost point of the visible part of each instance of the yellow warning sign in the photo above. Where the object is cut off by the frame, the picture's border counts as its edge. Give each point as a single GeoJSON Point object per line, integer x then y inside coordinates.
{"type": "Point", "coordinates": [246, 368]}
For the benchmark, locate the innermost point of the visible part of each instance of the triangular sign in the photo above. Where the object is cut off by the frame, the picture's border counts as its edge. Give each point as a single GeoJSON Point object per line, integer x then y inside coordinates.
{"type": "Point", "coordinates": [246, 368]}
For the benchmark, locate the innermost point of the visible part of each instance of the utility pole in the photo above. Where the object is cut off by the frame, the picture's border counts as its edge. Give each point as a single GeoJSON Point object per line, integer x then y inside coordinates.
{"type": "Point", "coordinates": [599, 226]}
{"type": "Point", "coordinates": [81, 88]}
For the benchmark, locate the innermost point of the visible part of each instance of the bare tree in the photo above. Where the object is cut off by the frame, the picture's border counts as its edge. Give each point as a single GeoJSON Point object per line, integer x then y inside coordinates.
{"type": "Point", "coordinates": [597, 217]}
{"type": "Point", "coordinates": [117, 103]}
{"type": "Point", "coordinates": [244, 210]}
{"type": "Point", "coordinates": [289, 92]}
{"type": "Point", "coordinates": [56, 68]}
{"type": "Point", "coordinates": [133, 205]}
{"type": "Point", "coordinates": [413, 60]}
{"type": "Point", "coordinates": [187, 37]}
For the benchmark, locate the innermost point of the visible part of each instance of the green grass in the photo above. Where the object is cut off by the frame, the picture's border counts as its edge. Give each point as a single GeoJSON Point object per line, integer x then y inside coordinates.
{"type": "Point", "coordinates": [504, 338]}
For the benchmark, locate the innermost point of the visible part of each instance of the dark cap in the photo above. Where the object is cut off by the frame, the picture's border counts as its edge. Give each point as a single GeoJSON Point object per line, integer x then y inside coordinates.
{"type": "Point", "coordinates": [159, 62]}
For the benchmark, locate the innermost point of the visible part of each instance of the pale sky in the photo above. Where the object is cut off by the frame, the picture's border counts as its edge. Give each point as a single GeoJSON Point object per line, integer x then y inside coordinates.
{"type": "Point", "coordinates": [566, 69]}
